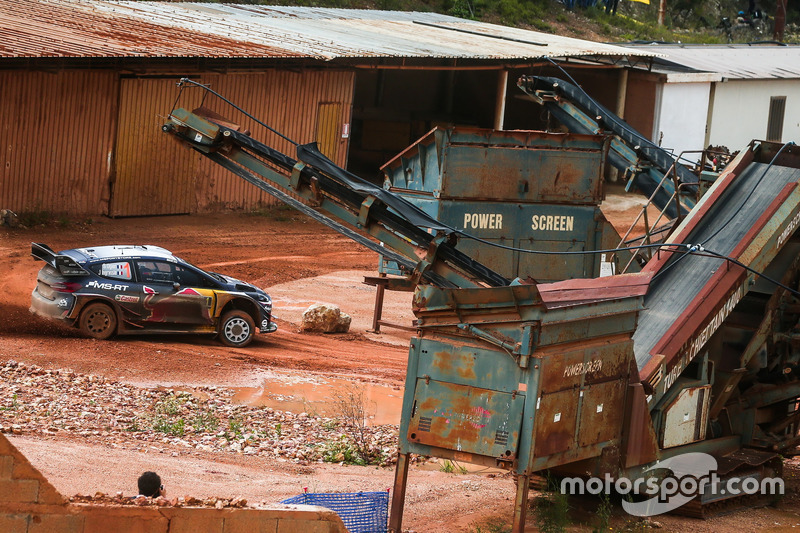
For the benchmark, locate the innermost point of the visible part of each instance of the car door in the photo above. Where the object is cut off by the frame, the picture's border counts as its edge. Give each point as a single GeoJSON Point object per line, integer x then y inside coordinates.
{"type": "Point", "coordinates": [169, 297]}
{"type": "Point", "coordinates": [116, 282]}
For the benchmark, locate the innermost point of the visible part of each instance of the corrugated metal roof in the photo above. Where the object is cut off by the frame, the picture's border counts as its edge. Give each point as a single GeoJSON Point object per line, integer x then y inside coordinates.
{"type": "Point", "coordinates": [733, 61]}
{"type": "Point", "coordinates": [88, 28]}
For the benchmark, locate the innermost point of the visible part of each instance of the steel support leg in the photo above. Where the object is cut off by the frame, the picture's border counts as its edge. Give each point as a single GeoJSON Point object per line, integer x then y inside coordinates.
{"type": "Point", "coordinates": [521, 504]}
{"type": "Point", "coordinates": [378, 313]}
{"type": "Point", "coordinates": [399, 495]}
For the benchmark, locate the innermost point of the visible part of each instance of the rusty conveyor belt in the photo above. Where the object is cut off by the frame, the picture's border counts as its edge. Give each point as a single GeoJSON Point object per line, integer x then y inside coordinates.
{"type": "Point", "coordinates": [732, 217]}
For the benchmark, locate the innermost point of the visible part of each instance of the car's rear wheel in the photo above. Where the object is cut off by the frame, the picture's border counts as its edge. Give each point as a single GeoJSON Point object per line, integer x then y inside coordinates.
{"type": "Point", "coordinates": [236, 329]}
{"type": "Point", "coordinates": [98, 320]}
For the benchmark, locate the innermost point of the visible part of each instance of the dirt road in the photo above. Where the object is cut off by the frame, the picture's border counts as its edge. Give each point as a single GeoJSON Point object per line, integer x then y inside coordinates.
{"type": "Point", "coordinates": [299, 262]}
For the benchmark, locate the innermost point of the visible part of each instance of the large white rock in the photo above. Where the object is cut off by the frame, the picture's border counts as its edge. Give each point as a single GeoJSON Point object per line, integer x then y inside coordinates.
{"type": "Point", "coordinates": [326, 318]}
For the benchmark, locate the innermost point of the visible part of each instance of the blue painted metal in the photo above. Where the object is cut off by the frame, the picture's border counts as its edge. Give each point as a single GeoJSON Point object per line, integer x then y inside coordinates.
{"type": "Point", "coordinates": [527, 190]}
{"type": "Point", "coordinates": [630, 152]}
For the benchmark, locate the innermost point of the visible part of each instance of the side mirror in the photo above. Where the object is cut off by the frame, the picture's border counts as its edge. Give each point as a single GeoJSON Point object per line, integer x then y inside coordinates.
{"type": "Point", "coordinates": [176, 285]}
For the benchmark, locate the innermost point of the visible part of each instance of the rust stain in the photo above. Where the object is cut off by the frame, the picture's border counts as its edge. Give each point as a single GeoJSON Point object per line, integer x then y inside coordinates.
{"type": "Point", "coordinates": [443, 361]}
{"type": "Point", "coordinates": [69, 29]}
{"type": "Point", "coordinates": [467, 373]}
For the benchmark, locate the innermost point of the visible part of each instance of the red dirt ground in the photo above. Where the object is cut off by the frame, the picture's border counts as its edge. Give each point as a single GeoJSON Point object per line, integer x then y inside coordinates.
{"type": "Point", "coordinates": [299, 262]}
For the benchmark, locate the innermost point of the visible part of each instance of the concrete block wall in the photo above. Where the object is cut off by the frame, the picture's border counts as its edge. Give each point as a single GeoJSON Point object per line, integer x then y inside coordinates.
{"type": "Point", "coordinates": [30, 504]}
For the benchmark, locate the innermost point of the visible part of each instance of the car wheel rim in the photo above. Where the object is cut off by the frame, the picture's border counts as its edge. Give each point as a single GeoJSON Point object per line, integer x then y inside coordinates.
{"type": "Point", "coordinates": [98, 322]}
{"type": "Point", "coordinates": [237, 330]}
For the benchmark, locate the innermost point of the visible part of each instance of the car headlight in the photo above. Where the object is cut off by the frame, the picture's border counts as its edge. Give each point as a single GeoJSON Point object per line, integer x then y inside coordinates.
{"type": "Point", "coordinates": [265, 301]}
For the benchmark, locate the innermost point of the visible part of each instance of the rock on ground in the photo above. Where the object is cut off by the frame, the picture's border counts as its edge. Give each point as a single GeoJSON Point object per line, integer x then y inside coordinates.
{"type": "Point", "coordinates": [326, 318]}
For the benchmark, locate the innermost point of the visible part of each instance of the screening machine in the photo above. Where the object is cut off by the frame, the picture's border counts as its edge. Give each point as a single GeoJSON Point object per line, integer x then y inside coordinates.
{"type": "Point", "coordinates": [652, 170]}
{"type": "Point", "coordinates": [697, 352]}
{"type": "Point", "coordinates": [522, 189]}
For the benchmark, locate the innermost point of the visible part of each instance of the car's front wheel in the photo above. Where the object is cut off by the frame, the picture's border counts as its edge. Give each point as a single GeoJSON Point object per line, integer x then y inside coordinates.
{"type": "Point", "coordinates": [236, 329]}
{"type": "Point", "coordinates": [98, 320]}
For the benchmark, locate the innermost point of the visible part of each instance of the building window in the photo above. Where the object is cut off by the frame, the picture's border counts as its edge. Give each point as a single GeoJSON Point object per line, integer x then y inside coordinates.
{"type": "Point", "coordinates": [777, 108]}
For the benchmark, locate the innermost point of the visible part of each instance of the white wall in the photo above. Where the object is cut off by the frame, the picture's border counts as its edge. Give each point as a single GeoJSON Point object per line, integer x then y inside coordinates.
{"type": "Point", "coordinates": [681, 123]}
{"type": "Point", "coordinates": [741, 110]}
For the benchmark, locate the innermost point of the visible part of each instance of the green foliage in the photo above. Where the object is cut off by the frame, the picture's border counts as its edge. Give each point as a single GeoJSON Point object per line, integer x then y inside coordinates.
{"type": "Point", "coordinates": [450, 467]}
{"type": "Point", "coordinates": [603, 513]}
{"type": "Point", "coordinates": [235, 427]}
{"type": "Point", "coordinates": [516, 12]}
{"type": "Point", "coordinates": [626, 28]}
{"type": "Point", "coordinates": [342, 450]}
{"type": "Point", "coordinates": [353, 411]}
{"type": "Point", "coordinates": [169, 405]}
{"type": "Point", "coordinates": [205, 420]}
{"type": "Point", "coordinates": [462, 9]}
{"type": "Point", "coordinates": [14, 404]}
{"type": "Point", "coordinates": [330, 424]}
{"type": "Point", "coordinates": [134, 425]}
{"type": "Point", "coordinates": [551, 509]}
{"type": "Point", "coordinates": [166, 418]}
{"type": "Point", "coordinates": [174, 427]}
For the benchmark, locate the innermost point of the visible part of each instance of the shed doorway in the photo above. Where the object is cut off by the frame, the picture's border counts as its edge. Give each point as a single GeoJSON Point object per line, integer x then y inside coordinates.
{"type": "Point", "coordinates": [154, 175]}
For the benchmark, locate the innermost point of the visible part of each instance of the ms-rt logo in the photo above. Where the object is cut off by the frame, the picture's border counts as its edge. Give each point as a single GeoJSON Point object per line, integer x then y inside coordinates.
{"type": "Point", "coordinates": [679, 480]}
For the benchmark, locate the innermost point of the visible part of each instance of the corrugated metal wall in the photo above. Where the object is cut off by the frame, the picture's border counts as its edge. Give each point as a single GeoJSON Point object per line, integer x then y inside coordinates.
{"type": "Point", "coordinates": [90, 143]}
{"type": "Point", "coordinates": [56, 136]}
{"type": "Point", "coordinates": [287, 101]}
{"type": "Point", "coordinates": [154, 175]}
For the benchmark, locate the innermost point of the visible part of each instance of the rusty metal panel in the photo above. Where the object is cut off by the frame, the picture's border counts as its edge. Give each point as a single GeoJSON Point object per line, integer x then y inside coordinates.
{"type": "Point", "coordinates": [64, 28]}
{"type": "Point", "coordinates": [528, 166]}
{"type": "Point", "coordinates": [591, 363]}
{"type": "Point", "coordinates": [153, 177]}
{"type": "Point", "coordinates": [573, 385]}
{"type": "Point", "coordinates": [466, 419]}
{"type": "Point", "coordinates": [520, 189]}
{"type": "Point", "coordinates": [686, 417]}
{"type": "Point", "coordinates": [94, 28]}
{"type": "Point", "coordinates": [56, 136]}
{"type": "Point", "coordinates": [733, 61]}
{"type": "Point", "coordinates": [556, 423]}
{"type": "Point", "coordinates": [602, 412]}
{"type": "Point", "coordinates": [287, 101]}
{"type": "Point", "coordinates": [556, 266]}
{"type": "Point", "coordinates": [583, 392]}
{"type": "Point", "coordinates": [521, 166]}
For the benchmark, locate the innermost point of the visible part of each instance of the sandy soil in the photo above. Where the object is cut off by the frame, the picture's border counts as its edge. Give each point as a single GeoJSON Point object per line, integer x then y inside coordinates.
{"type": "Point", "coordinates": [299, 262]}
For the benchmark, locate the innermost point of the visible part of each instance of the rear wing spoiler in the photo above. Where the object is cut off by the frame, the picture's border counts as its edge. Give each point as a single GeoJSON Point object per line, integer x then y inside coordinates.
{"type": "Point", "coordinates": [63, 263]}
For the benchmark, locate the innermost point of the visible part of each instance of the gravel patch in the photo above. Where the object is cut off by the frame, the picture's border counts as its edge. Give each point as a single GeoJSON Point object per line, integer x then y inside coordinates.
{"type": "Point", "coordinates": [67, 404]}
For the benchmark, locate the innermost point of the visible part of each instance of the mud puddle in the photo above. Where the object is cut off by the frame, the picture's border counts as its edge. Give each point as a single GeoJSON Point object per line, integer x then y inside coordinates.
{"type": "Point", "coordinates": [325, 397]}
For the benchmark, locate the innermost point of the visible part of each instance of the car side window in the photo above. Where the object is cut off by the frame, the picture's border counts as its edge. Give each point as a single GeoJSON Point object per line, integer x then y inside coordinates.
{"type": "Point", "coordinates": [189, 278]}
{"type": "Point", "coordinates": [155, 272]}
{"type": "Point", "coordinates": [116, 270]}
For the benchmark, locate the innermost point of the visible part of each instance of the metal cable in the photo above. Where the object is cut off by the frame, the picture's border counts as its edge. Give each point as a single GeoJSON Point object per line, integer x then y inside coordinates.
{"type": "Point", "coordinates": [245, 113]}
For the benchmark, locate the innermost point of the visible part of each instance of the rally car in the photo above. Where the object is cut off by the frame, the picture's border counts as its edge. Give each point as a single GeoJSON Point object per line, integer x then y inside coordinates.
{"type": "Point", "coordinates": [109, 290]}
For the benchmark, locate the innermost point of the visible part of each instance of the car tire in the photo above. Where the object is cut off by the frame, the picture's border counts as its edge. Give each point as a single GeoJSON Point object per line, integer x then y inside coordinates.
{"type": "Point", "coordinates": [236, 329]}
{"type": "Point", "coordinates": [98, 320]}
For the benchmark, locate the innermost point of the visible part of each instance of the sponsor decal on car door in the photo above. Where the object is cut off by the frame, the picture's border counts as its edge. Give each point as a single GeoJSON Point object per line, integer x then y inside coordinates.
{"type": "Point", "coordinates": [166, 301]}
